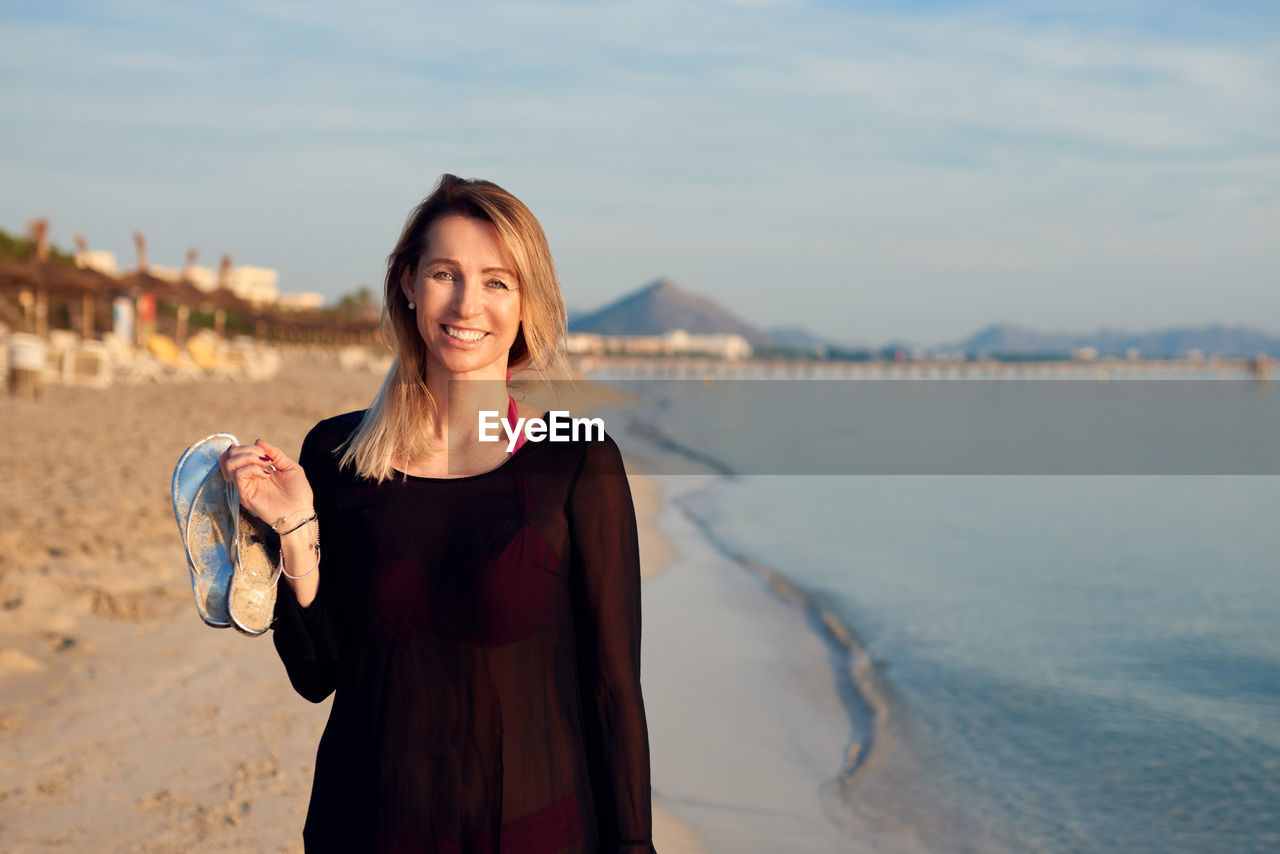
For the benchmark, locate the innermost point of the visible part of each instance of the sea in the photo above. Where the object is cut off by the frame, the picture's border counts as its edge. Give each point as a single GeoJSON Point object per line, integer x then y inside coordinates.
{"type": "Point", "coordinates": [1059, 601]}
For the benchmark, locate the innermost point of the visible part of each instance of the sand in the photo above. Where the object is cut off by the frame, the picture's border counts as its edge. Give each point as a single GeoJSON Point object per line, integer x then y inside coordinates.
{"type": "Point", "coordinates": [125, 723]}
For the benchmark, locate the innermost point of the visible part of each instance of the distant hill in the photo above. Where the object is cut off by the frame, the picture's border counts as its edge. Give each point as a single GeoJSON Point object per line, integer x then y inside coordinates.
{"type": "Point", "coordinates": [662, 306]}
{"type": "Point", "coordinates": [1213, 340]}
{"type": "Point", "coordinates": [799, 338]}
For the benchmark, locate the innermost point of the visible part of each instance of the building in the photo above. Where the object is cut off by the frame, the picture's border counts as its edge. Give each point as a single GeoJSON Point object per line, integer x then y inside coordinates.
{"type": "Point", "coordinates": [253, 284]}
{"type": "Point", "coordinates": [716, 345]}
{"type": "Point", "coordinates": [306, 301]}
{"type": "Point", "coordinates": [677, 342]}
{"type": "Point", "coordinates": [99, 260]}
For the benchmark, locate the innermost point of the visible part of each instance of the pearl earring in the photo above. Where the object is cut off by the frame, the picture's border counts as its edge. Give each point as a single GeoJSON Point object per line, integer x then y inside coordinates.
{"type": "Point", "coordinates": [412, 305]}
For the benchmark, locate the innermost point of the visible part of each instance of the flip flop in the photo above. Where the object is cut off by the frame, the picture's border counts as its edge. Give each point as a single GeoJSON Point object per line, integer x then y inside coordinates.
{"type": "Point", "coordinates": [252, 593]}
{"type": "Point", "coordinates": [207, 525]}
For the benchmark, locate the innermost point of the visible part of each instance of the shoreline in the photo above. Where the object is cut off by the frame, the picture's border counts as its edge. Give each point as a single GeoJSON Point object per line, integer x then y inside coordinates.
{"type": "Point", "coordinates": [757, 725]}
{"type": "Point", "coordinates": [855, 672]}
{"type": "Point", "coordinates": [832, 768]}
{"type": "Point", "coordinates": [748, 725]}
{"type": "Point", "coordinates": [866, 797]}
{"type": "Point", "coordinates": [877, 792]}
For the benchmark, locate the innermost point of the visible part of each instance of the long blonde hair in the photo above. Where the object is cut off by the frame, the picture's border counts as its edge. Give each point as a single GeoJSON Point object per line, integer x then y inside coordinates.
{"type": "Point", "coordinates": [392, 427]}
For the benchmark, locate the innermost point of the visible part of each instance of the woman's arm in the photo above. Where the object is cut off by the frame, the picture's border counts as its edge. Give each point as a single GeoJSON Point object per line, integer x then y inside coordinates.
{"type": "Point", "coordinates": [284, 493]}
{"type": "Point", "coordinates": [306, 634]}
{"type": "Point", "coordinates": [606, 589]}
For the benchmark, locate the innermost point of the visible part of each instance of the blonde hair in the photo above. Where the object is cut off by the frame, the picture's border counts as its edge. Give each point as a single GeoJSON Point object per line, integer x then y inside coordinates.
{"type": "Point", "coordinates": [392, 427]}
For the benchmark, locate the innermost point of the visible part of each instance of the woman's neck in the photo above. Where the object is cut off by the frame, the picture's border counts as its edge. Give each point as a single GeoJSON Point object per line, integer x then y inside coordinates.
{"type": "Point", "coordinates": [454, 432]}
{"type": "Point", "coordinates": [458, 405]}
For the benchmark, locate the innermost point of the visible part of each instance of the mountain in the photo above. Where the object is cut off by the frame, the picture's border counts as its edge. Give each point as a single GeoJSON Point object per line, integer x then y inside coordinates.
{"type": "Point", "coordinates": [799, 338]}
{"type": "Point", "coordinates": [662, 306]}
{"type": "Point", "coordinates": [1213, 340]}
{"type": "Point", "coordinates": [1018, 340]}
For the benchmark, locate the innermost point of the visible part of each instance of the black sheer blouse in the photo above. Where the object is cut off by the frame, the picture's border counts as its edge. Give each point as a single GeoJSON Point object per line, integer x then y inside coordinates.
{"type": "Point", "coordinates": [482, 635]}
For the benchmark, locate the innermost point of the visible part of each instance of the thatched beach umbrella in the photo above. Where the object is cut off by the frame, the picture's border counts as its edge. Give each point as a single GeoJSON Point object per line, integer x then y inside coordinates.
{"type": "Point", "coordinates": [183, 294]}
{"type": "Point", "coordinates": [39, 279]}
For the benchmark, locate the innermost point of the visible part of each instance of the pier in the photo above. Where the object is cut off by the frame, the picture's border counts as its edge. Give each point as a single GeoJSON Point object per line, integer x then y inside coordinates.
{"type": "Point", "coordinates": [700, 368]}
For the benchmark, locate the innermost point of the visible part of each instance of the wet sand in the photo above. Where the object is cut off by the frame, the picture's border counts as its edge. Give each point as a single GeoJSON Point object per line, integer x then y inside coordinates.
{"type": "Point", "coordinates": [125, 723]}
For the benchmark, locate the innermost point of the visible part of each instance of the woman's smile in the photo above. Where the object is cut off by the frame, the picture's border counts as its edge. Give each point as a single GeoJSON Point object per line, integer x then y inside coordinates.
{"type": "Point", "coordinates": [458, 333]}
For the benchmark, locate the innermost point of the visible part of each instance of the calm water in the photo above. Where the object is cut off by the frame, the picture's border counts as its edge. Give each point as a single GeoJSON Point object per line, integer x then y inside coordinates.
{"type": "Point", "coordinates": [1074, 662]}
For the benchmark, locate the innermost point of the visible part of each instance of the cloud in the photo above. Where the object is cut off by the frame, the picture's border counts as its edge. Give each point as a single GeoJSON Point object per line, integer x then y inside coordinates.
{"type": "Point", "coordinates": [724, 143]}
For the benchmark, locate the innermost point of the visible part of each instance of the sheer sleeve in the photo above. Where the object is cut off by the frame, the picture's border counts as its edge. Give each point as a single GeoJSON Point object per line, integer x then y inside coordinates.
{"type": "Point", "coordinates": [606, 579]}
{"type": "Point", "coordinates": [305, 638]}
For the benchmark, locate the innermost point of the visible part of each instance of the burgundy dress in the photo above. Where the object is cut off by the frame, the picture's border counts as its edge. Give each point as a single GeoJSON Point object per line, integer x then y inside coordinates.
{"type": "Point", "coordinates": [481, 636]}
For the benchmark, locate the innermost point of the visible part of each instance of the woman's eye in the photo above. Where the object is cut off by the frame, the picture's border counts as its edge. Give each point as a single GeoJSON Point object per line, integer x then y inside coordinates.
{"type": "Point", "coordinates": [498, 284]}
{"type": "Point", "coordinates": [443, 275]}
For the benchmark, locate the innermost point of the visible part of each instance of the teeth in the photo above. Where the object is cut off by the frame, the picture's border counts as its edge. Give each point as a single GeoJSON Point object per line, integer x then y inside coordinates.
{"type": "Point", "coordinates": [463, 334]}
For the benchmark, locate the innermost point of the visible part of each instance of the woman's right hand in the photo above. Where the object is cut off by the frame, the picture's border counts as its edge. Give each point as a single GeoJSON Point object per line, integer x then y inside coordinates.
{"type": "Point", "coordinates": [271, 485]}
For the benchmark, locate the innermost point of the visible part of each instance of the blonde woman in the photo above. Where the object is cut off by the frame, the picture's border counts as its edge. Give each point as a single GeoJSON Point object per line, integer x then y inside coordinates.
{"type": "Point", "coordinates": [476, 613]}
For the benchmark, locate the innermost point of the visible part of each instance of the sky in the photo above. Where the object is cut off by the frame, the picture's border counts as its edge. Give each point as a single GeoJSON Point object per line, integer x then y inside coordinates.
{"type": "Point", "coordinates": [874, 171]}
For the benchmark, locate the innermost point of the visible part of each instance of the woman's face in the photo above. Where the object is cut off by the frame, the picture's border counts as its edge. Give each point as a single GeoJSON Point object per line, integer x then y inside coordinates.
{"type": "Point", "coordinates": [468, 299]}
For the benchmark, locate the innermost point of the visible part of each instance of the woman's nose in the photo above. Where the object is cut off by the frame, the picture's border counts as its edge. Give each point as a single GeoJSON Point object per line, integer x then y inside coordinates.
{"type": "Point", "coordinates": [466, 298]}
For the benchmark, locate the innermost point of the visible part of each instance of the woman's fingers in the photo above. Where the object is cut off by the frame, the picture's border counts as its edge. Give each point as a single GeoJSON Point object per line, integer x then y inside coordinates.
{"type": "Point", "coordinates": [242, 458]}
{"type": "Point", "coordinates": [245, 466]}
{"type": "Point", "coordinates": [273, 454]}
{"type": "Point", "coordinates": [261, 453]}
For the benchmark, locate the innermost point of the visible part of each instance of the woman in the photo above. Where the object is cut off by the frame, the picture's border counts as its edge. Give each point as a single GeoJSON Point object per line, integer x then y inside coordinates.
{"type": "Point", "coordinates": [475, 613]}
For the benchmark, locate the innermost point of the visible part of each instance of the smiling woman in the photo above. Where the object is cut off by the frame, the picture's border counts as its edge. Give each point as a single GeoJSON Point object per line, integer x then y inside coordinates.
{"type": "Point", "coordinates": [476, 611]}
{"type": "Point", "coordinates": [466, 299]}
{"type": "Point", "coordinates": [466, 255]}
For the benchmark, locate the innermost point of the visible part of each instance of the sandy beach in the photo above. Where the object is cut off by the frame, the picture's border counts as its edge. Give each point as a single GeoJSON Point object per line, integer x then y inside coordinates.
{"type": "Point", "coordinates": [125, 723]}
